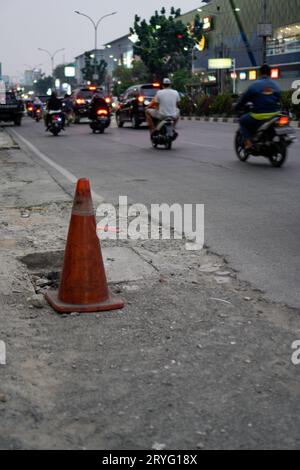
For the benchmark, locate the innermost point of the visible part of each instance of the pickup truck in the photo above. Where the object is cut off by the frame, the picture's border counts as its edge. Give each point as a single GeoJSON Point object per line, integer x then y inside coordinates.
{"type": "Point", "coordinates": [11, 109]}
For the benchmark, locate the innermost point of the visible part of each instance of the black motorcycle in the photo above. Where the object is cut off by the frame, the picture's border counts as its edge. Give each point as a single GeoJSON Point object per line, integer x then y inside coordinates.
{"type": "Point", "coordinates": [100, 119]}
{"type": "Point", "coordinates": [270, 141]}
{"type": "Point", "coordinates": [56, 122]}
{"type": "Point", "coordinates": [164, 134]}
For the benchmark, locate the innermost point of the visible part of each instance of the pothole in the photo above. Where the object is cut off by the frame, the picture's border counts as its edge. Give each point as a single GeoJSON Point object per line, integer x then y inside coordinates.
{"type": "Point", "coordinates": [122, 265]}
{"type": "Point", "coordinates": [44, 269]}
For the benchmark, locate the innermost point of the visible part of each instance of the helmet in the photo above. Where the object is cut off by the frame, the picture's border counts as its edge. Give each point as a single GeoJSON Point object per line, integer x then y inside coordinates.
{"type": "Point", "coordinates": [166, 81]}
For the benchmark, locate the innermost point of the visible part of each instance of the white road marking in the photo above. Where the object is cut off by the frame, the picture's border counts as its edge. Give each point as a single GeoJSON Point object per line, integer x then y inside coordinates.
{"type": "Point", "coordinates": [67, 174]}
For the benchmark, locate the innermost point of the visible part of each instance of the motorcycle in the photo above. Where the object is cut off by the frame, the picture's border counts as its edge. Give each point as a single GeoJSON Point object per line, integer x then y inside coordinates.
{"type": "Point", "coordinates": [37, 113]}
{"type": "Point", "coordinates": [56, 122]}
{"type": "Point", "coordinates": [29, 108]}
{"type": "Point", "coordinates": [101, 120]}
{"type": "Point", "coordinates": [69, 115]}
{"type": "Point", "coordinates": [164, 134]}
{"type": "Point", "coordinates": [271, 141]}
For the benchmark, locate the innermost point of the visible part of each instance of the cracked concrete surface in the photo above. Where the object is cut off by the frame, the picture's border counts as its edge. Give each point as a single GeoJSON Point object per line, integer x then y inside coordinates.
{"type": "Point", "coordinates": [197, 358]}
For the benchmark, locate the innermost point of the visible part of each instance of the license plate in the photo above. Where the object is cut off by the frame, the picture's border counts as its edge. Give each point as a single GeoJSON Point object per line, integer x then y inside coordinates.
{"type": "Point", "coordinates": [284, 131]}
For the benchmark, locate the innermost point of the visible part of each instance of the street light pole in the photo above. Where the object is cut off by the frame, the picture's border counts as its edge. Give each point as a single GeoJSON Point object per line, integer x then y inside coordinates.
{"type": "Point", "coordinates": [52, 56]}
{"type": "Point", "coordinates": [96, 26]}
{"type": "Point", "coordinates": [265, 9]}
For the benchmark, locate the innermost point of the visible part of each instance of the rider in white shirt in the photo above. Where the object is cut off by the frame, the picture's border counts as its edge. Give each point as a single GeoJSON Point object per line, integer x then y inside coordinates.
{"type": "Point", "coordinates": [164, 104]}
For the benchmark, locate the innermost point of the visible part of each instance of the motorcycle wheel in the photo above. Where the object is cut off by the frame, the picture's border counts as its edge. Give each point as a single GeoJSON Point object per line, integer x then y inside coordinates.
{"type": "Point", "coordinates": [169, 145]}
{"type": "Point", "coordinates": [135, 122]}
{"type": "Point", "coordinates": [242, 154]}
{"type": "Point", "coordinates": [278, 159]}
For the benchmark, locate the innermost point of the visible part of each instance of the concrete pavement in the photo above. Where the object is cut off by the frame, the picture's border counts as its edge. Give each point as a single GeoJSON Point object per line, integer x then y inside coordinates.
{"type": "Point", "coordinates": [196, 360]}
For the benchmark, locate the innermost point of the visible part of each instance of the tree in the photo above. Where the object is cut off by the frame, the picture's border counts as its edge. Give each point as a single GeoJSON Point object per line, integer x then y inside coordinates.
{"type": "Point", "coordinates": [125, 77]}
{"type": "Point", "coordinates": [165, 43]}
{"type": "Point", "coordinates": [93, 67]}
{"type": "Point", "coordinates": [43, 85]}
{"type": "Point", "coordinates": [59, 73]}
{"type": "Point", "coordinates": [180, 79]}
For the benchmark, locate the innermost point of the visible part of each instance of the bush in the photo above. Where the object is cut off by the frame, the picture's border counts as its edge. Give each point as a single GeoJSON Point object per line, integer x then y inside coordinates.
{"type": "Point", "coordinates": [187, 106]}
{"type": "Point", "coordinates": [288, 106]}
{"type": "Point", "coordinates": [204, 105]}
{"type": "Point", "coordinates": [222, 105]}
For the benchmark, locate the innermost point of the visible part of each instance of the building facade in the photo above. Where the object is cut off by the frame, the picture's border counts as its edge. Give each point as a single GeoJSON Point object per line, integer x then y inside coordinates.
{"type": "Point", "coordinates": [117, 52]}
{"type": "Point", "coordinates": [232, 31]}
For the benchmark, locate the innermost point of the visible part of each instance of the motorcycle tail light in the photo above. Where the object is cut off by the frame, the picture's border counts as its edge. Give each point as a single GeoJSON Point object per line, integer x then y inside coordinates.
{"type": "Point", "coordinates": [80, 101]}
{"type": "Point", "coordinates": [283, 121]}
{"type": "Point", "coordinates": [102, 112]}
{"type": "Point", "coordinates": [108, 100]}
{"type": "Point", "coordinates": [141, 99]}
{"type": "Point", "coordinates": [30, 109]}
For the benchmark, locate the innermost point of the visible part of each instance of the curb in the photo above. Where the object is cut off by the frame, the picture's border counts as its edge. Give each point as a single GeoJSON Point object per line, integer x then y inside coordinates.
{"type": "Point", "coordinates": [294, 124]}
{"type": "Point", "coordinates": [6, 141]}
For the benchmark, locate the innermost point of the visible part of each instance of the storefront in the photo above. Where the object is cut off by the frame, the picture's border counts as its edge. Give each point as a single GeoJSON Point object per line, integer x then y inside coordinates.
{"type": "Point", "coordinates": [230, 30]}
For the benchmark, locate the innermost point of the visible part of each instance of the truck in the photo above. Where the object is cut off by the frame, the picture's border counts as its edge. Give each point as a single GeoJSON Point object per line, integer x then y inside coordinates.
{"type": "Point", "coordinates": [11, 108]}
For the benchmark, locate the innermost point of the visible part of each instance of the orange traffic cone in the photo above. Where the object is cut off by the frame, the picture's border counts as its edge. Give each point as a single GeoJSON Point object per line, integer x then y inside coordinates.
{"type": "Point", "coordinates": [83, 286]}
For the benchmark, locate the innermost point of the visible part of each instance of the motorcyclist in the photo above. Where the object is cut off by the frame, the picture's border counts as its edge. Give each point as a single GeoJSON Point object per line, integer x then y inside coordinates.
{"type": "Point", "coordinates": [68, 108]}
{"type": "Point", "coordinates": [265, 96]}
{"type": "Point", "coordinates": [54, 104]}
{"type": "Point", "coordinates": [98, 102]}
{"type": "Point", "coordinates": [164, 104]}
{"type": "Point", "coordinates": [37, 104]}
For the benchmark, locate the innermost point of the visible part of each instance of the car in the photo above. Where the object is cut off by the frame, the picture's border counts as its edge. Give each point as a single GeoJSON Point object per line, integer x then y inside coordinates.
{"type": "Point", "coordinates": [133, 103]}
{"type": "Point", "coordinates": [81, 98]}
{"type": "Point", "coordinates": [11, 109]}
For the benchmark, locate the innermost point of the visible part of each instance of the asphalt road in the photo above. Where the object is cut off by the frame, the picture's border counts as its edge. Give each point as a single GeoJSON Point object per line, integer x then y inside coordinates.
{"type": "Point", "coordinates": [252, 210]}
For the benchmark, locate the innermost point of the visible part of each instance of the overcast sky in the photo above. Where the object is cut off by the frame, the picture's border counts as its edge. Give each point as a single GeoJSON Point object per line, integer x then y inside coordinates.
{"type": "Point", "coordinates": [26, 25]}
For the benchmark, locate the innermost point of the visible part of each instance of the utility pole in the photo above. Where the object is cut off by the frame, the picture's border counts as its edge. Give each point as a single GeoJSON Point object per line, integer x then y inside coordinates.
{"type": "Point", "coordinates": [52, 57]}
{"type": "Point", "coordinates": [265, 10]}
{"type": "Point", "coordinates": [96, 25]}
{"type": "Point", "coordinates": [265, 30]}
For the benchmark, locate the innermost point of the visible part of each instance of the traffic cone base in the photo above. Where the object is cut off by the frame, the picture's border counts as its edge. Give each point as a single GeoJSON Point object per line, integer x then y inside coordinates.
{"type": "Point", "coordinates": [83, 286]}
{"type": "Point", "coordinates": [112, 303]}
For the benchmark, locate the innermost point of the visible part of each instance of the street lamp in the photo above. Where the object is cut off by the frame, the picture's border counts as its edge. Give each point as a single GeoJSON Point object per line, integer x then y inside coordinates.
{"type": "Point", "coordinates": [52, 56]}
{"type": "Point", "coordinates": [96, 24]}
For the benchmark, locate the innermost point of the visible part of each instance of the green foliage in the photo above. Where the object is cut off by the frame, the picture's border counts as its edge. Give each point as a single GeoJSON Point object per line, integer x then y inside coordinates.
{"type": "Point", "coordinates": [164, 43]}
{"type": "Point", "coordinates": [125, 77]}
{"type": "Point", "coordinates": [203, 105]}
{"type": "Point", "coordinates": [222, 105]}
{"type": "Point", "coordinates": [180, 79]}
{"type": "Point", "coordinates": [288, 106]}
{"type": "Point", "coordinates": [43, 85]}
{"type": "Point", "coordinates": [187, 106]}
{"type": "Point", "coordinates": [59, 73]}
{"type": "Point", "coordinates": [93, 67]}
